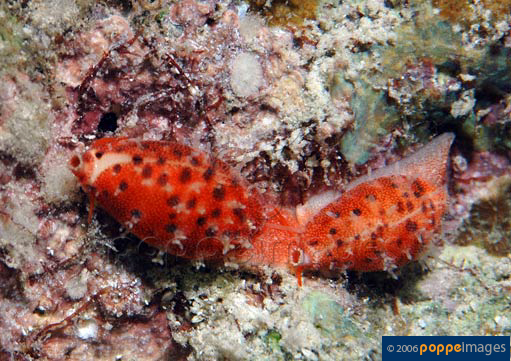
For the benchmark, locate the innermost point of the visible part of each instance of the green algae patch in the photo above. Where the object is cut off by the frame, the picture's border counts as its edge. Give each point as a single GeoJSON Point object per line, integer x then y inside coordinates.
{"type": "Point", "coordinates": [427, 39]}
{"type": "Point", "coordinates": [373, 118]}
{"type": "Point", "coordinates": [10, 41]}
{"type": "Point", "coordinates": [272, 340]}
{"type": "Point", "coordinates": [328, 316]}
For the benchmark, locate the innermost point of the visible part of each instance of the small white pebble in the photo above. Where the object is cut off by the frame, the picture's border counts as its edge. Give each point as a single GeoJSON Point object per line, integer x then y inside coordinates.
{"type": "Point", "coordinates": [87, 329]}
{"type": "Point", "coordinates": [197, 319]}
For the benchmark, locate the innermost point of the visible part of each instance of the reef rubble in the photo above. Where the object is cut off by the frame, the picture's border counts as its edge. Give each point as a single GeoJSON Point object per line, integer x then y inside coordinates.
{"type": "Point", "coordinates": [299, 98]}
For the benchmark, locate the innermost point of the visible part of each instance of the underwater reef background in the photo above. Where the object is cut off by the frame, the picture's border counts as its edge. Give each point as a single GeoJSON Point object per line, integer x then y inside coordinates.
{"type": "Point", "coordinates": [299, 97]}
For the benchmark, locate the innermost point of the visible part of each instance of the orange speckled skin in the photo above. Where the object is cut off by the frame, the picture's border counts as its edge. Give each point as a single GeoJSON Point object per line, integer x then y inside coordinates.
{"type": "Point", "coordinates": [173, 197]}
{"type": "Point", "coordinates": [191, 205]}
{"type": "Point", "coordinates": [377, 225]}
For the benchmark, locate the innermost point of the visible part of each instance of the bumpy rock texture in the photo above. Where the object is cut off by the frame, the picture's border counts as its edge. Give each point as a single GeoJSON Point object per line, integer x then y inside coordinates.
{"type": "Point", "coordinates": [298, 97]}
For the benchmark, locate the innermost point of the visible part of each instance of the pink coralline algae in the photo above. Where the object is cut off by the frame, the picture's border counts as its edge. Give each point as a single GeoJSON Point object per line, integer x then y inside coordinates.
{"type": "Point", "coordinates": [191, 205]}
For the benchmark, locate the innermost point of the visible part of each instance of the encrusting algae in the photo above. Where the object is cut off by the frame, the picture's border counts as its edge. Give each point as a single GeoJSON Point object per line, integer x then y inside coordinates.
{"type": "Point", "coordinates": [191, 205]}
